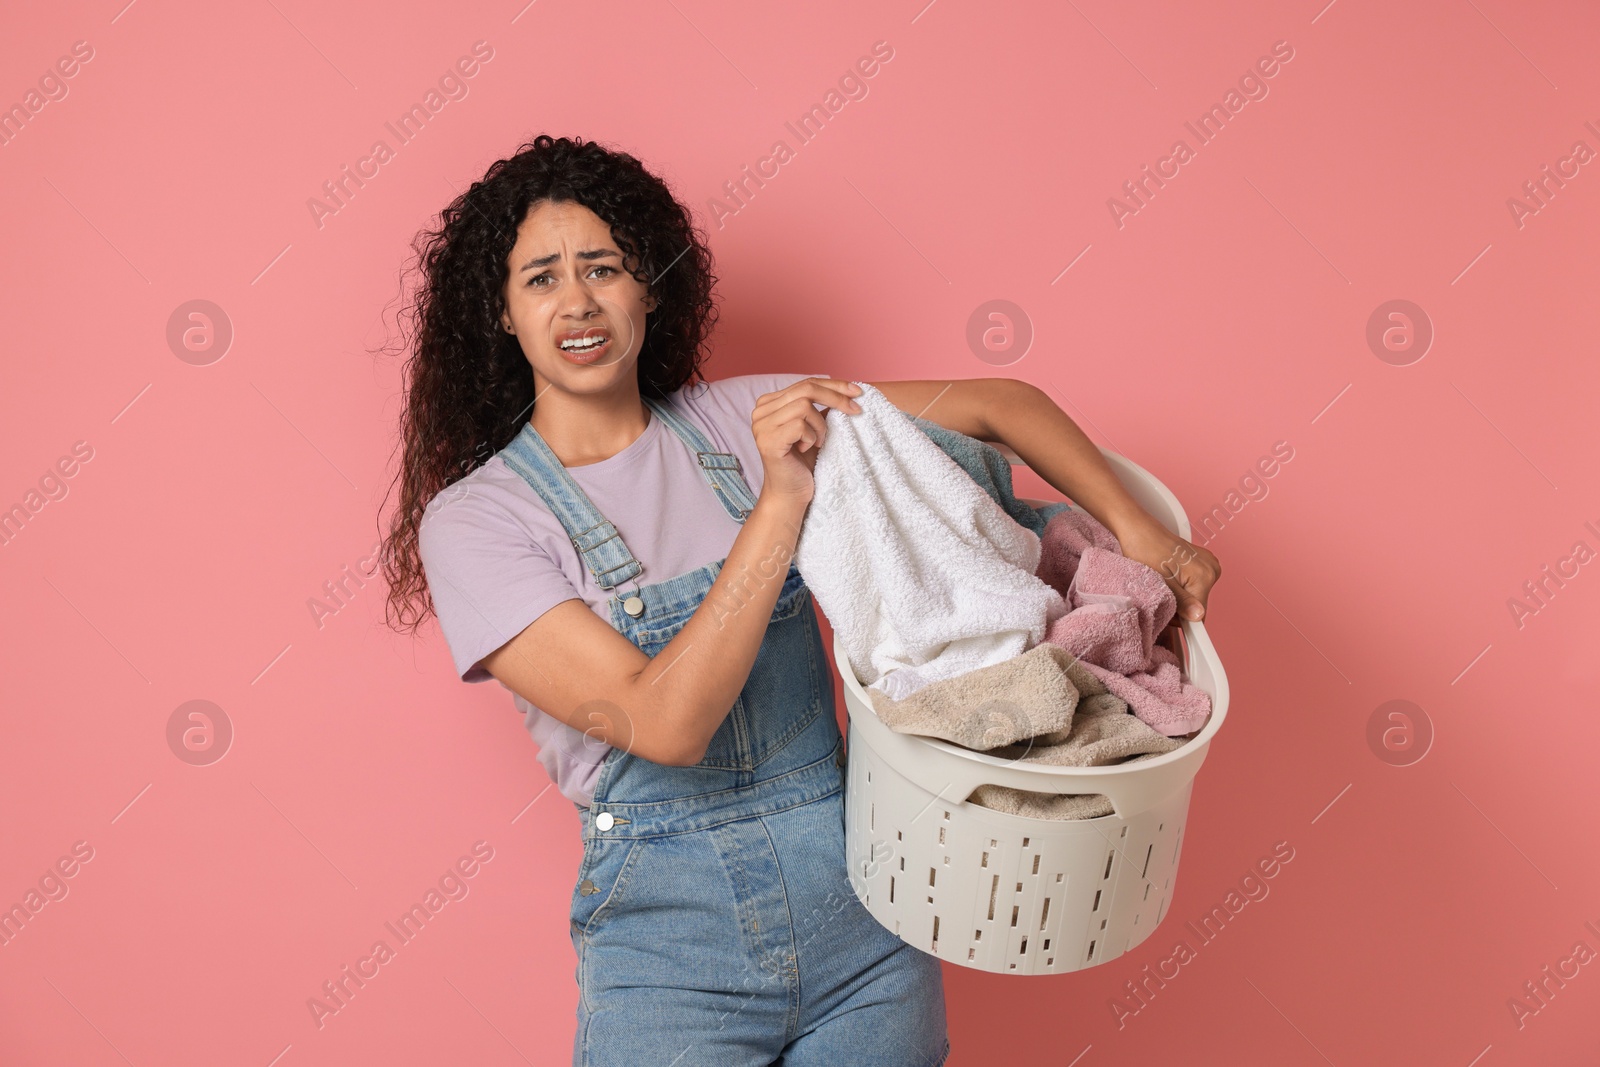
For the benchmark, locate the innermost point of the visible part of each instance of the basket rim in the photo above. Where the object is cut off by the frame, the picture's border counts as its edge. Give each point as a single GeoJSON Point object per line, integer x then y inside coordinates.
{"type": "Point", "coordinates": [1185, 751]}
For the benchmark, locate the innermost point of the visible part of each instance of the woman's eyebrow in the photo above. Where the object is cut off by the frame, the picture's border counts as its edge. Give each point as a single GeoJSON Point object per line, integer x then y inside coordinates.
{"type": "Point", "coordinates": [588, 253]}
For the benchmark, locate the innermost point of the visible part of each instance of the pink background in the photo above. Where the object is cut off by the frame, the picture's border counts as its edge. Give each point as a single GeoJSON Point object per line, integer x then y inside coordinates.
{"type": "Point", "coordinates": [1227, 314]}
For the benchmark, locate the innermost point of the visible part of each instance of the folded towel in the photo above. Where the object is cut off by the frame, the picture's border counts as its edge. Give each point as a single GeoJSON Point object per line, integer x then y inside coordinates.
{"type": "Point", "coordinates": [1118, 608]}
{"type": "Point", "coordinates": [921, 573]}
{"type": "Point", "coordinates": [991, 470]}
{"type": "Point", "coordinates": [1023, 697]}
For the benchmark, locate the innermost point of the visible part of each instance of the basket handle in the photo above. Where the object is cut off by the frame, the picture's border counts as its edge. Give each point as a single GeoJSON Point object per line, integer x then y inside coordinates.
{"type": "Point", "coordinates": [954, 779]}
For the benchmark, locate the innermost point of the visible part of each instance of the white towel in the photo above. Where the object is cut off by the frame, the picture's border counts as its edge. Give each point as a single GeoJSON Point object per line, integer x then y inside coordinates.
{"type": "Point", "coordinates": [920, 572]}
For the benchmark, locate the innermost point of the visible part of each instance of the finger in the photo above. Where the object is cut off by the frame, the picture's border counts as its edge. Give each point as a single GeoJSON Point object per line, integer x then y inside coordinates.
{"type": "Point", "coordinates": [818, 426]}
{"type": "Point", "coordinates": [781, 419]}
{"type": "Point", "coordinates": [800, 408]}
{"type": "Point", "coordinates": [829, 392]}
{"type": "Point", "coordinates": [1190, 606]}
{"type": "Point", "coordinates": [781, 409]}
{"type": "Point", "coordinates": [830, 395]}
{"type": "Point", "coordinates": [819, 423]}
{"type": "Point", "coordinates": [803, 429]}
{"type": "Point", "coordinates": [787, 393]}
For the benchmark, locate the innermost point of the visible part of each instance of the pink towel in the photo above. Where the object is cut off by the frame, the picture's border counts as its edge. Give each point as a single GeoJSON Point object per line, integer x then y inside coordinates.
{"type": "Point", "coordinates": [1118, 609]}
{"type": "Point", "coordinates": [1070, 532]}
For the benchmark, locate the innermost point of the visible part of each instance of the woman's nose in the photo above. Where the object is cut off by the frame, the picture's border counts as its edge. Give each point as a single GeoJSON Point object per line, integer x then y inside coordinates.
{"type": "Point", "coordinates": [578, 299]}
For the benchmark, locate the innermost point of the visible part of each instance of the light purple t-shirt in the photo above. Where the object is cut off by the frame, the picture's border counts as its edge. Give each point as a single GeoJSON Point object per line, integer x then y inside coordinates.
{"type": "Point", "coordinates": [496, 557]}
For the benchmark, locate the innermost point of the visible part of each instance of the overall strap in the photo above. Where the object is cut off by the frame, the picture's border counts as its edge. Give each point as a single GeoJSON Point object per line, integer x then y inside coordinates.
{"type": "Point", "coordinates": [591, 533]}
{"type": "Point", "coordinates": [721, 469]}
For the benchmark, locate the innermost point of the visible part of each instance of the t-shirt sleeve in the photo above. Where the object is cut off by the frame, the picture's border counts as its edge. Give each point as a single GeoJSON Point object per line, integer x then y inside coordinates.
{"type": "Point", "coordinates": [487, 576]}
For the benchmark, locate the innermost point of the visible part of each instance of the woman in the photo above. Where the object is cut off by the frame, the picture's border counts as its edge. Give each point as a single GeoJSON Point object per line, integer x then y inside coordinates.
{"type": "Point", "coordinates": [611, 538]}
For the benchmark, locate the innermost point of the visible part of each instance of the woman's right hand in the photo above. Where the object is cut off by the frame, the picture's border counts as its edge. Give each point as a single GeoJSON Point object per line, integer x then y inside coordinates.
{"type": "Point", "coordinates": [789, 431]}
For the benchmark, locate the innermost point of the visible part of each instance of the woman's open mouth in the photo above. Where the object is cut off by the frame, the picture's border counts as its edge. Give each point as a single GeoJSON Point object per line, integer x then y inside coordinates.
{"type": "Point", "coordinates": [586, 346]}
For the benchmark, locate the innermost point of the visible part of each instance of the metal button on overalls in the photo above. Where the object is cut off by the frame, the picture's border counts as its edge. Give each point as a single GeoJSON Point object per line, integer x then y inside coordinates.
{"type": "Point", "coordinates": [604, 820]}
{"type": "Point", "coordinates": [586, 887]}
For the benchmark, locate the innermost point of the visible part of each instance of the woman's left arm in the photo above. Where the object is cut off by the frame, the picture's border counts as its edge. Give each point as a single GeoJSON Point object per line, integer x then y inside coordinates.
{"type": "Point", "coordinates": [1022, 417]}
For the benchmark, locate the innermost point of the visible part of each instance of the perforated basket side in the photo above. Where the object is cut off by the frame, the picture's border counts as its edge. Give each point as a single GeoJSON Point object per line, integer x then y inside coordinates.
{"type": "Point", "coordinates": [1000, 892]}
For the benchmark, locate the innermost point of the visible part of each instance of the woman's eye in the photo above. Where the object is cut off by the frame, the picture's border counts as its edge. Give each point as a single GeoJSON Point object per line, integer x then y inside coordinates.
{"type": "Point", "coordinates": [534, 282]}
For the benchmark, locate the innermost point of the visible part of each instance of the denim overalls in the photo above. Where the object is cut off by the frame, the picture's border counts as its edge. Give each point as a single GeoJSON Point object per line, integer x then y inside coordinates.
{"type": "Point", "coordinates": [713, 917]}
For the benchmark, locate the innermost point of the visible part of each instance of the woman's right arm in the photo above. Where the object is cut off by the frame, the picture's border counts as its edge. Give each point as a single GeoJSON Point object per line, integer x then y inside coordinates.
{"type": "Point", "coordinates": [573, 665]}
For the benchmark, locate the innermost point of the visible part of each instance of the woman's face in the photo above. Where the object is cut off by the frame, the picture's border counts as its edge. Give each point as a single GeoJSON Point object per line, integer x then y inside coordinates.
{"type": "Point", "coordinates": [579, 316]}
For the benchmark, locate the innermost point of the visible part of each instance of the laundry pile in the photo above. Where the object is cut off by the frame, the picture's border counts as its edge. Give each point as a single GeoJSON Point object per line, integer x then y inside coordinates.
{"type": "Point", "coordinates": [971, 616]}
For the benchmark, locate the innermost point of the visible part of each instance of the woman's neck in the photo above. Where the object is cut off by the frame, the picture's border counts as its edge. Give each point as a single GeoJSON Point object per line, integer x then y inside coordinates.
{"type": "Point", "coordinates": [582, 430]}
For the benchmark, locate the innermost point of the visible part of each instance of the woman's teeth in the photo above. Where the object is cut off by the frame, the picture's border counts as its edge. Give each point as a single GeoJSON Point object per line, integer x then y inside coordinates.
{"type": "Point", "coordinates": [585, 345]}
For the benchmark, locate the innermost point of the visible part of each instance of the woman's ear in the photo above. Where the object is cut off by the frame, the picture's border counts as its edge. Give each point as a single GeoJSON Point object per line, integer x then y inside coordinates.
{"type": "Point", "coordinates": [650, 302]}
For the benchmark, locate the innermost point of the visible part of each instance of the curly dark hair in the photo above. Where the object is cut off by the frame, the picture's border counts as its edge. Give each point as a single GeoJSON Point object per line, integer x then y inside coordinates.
{"type": "Point", "coordinates": [468, 386]}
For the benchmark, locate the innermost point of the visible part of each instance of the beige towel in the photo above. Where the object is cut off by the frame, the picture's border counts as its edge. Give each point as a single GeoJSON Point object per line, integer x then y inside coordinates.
{"type": "Point", "coordinates": [1039, 707]}
{"type": "Point", "coordinates": [1005, 702]}
{"type": "Point", "coordinates": [1102, 732]}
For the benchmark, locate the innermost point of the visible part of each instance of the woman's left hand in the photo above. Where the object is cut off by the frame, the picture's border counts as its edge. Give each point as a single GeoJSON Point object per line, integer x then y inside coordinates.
{"type": "Point", "coordinates": [1189, 570]}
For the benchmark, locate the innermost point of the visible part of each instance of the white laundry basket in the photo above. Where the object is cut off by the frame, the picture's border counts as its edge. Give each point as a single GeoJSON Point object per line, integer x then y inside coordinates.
{"type": "Point", "coordinates": [1007, 893]}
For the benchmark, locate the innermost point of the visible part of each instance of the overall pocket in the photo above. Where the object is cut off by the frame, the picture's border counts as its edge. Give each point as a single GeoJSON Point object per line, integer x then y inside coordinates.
{"type": "Point", "coordinates": [602, 877]}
